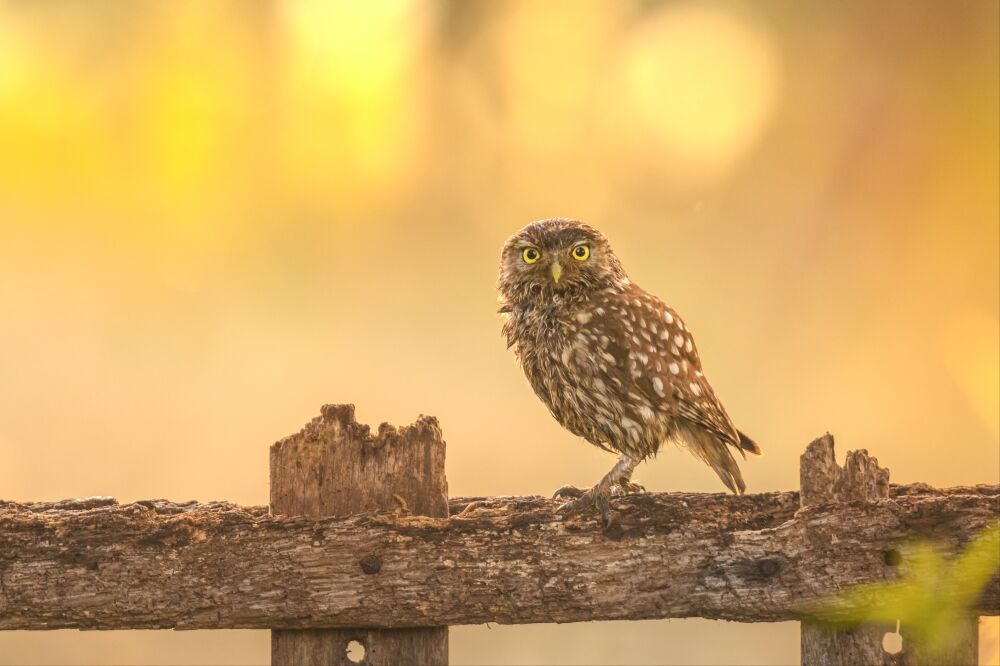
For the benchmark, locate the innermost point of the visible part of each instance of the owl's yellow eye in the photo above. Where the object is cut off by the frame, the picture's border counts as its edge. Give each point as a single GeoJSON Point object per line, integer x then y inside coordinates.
{"type": "Point", "coordinates": [530, 255]}
{"type": "Point", "coordinates": [581, 252]}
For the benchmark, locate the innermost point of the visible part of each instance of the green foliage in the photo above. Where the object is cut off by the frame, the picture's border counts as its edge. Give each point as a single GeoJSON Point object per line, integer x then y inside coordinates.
{"type": "Point", "coordinates": [931, 597]}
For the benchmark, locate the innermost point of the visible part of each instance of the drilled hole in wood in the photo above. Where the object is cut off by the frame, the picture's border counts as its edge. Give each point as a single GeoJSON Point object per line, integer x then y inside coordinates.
{"type": "Point", "coordinates": [892, 557]}
{"type": "Point", "coordinates": [355, 652]}
{"type": "Point", "coordinates": [892, 642]}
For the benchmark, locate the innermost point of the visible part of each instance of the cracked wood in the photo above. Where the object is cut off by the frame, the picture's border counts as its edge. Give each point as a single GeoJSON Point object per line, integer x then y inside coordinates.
{"type": "Point", "coordinates": [95, 564]}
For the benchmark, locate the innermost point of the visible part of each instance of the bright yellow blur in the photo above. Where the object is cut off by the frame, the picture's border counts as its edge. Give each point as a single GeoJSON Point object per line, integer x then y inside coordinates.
{"type": "Point", "coordinates": [216, 216]}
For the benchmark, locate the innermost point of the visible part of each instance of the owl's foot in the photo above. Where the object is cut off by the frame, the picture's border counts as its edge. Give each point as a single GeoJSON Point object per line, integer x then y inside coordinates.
{"type": "Point", "coordinates": [626, 487]}
{"type": "Point", "coordinates": [567, 491]}
{"type": "Point", "coordinates": [615, 483]}
{"type": "Point", "coordinates": [620, 489]}
{"type": "Point", "coordinates": [599, 496]}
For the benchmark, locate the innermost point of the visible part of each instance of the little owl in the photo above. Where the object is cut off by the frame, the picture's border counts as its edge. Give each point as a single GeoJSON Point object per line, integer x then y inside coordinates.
{"type": "Point", "coordinates": [612, 362]}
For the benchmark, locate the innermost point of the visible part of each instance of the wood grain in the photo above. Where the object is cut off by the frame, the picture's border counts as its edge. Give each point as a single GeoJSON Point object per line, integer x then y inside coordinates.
{"type": "Point", "coordinates": [824, 482]}
{"type": "Point", "coordinates": [337, 467]}
{"type": "Point", "coordinates": [96, 564]}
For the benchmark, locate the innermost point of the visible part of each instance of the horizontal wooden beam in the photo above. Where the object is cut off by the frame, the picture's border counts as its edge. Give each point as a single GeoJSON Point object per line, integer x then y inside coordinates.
{"type": "Point", "coordinates": [96, 564]}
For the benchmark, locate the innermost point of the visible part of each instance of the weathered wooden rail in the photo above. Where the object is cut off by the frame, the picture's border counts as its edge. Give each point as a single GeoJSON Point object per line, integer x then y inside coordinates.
{"type": "Point", "coordinates": [376, 553]}
{"type": "Point", "coordinates": [755, 558]}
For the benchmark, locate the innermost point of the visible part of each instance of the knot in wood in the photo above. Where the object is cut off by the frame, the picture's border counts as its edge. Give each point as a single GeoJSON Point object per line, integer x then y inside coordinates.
{"type": "Point", "coordinates": [768, 567]}
{"type": "Point", "coordinates": [371, 564]}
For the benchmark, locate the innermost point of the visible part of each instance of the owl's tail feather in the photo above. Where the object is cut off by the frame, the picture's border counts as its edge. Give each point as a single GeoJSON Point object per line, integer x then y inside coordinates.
{"type": "Point", "coordinates": [717, 454]}
{"type": "Point", "coordinates": [747, 444]}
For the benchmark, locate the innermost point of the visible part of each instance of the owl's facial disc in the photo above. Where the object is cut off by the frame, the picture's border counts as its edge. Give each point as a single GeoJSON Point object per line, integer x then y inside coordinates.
{"type": "Point", "coordinates": [556, 258]}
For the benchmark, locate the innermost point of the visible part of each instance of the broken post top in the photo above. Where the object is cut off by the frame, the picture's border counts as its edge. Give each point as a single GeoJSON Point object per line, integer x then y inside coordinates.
{"type": "Point", "coordinates": [327, 468]}
{"type": "Point", "coordinates": [822, 480]}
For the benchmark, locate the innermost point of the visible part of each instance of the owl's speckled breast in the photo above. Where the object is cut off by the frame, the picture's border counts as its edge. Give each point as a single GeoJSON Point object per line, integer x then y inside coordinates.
{"type": "Point", "coordinates": [574, 367]}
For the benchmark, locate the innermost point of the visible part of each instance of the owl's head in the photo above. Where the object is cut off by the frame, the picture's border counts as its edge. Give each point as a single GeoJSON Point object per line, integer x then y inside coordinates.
{"type": "Point", "coordinates": [554, 260]}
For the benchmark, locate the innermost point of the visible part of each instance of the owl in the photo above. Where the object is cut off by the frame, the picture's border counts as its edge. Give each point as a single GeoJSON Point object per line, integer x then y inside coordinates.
{"type": "Point", "coordinates": [613, 363]}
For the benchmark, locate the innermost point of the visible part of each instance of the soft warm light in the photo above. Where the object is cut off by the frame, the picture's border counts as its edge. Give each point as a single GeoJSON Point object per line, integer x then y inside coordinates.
{"type": "Point", "coordinates": [970, 347]}
{"type": "Point", "coordinates": [217, 215]}
{"type": "Point", "coordinates": [703, 82]}
{"type": "Point", "coordinates": [348, 113]}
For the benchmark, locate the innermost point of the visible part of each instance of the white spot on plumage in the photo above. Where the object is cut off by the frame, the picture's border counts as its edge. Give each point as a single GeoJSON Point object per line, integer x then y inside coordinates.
{"type": "Point", "coordinates": [667, 317]}
{"type": "Point", "coordinates": [689, 345]}
{"type": "Point", "coordinates": [674, 350]}
{"type": "Point", "coordinates": [678, 339]}
{"type": "Point", "coordinates": [695, 388]}
{"type": "Point", "coordinates": [652, 327]}
{"type": "Point", "coordinates": [584, 317]}
{"type": "Point", "coordinates": [634, 431]}
{"type": "Point", "coordinates": [674, 368]}
{"type": "Point", "coordinates": [566, 355]}
{"type": "Point", "coordinates": [646, 413]}
{"type": "Point", "coordinates": [658, 387]}
{"type": "Point", "coordinates": [643, 358]}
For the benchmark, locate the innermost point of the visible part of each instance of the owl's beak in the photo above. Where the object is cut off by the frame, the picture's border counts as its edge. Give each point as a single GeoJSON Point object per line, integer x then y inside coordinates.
{"type": "Point", "coordinates": [556, 271]}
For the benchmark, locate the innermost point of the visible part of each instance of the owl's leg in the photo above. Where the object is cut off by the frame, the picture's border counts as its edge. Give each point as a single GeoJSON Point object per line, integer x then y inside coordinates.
{"type": "Point", "coordinates": [624, 485]}
{"type": "Point", "coordinates": [627, 487]}
{"type": "Point", "coordinates": [600, 495]}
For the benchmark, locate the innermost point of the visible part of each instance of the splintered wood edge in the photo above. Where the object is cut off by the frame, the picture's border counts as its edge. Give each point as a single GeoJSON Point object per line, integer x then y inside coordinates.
{"type": "Point", "coordinates": [335, 419]}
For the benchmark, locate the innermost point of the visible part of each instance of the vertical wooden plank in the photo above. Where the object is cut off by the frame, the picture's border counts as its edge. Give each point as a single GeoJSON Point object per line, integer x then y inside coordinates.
{"type": "Point", "coordinates": [336, 467]}
{"type": "Point", "coordinates": [963, 651]}
{"type": "Point", "coordinates": [860, 646]}
{"type": "Point", "coordinates": [821, 480]}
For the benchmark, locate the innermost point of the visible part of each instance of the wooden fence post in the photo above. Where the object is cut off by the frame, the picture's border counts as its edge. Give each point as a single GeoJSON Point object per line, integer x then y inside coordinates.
{"type": "Point", "coordinates": [964, 650]}
{"type": "Point", "coordinates": [336, 467]}
{"type": "Point", "coordinates": [822, 481]}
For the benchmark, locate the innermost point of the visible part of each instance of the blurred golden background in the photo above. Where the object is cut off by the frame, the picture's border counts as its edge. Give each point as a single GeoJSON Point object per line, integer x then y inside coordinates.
{"type": "Point", "coordinates": [216, 216]}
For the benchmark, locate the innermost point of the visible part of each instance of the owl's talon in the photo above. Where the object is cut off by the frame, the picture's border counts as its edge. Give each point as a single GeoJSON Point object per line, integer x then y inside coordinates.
{"type": "Point", "coordinates": [603, 505]}
{"type": "Point", "coordinates": [567, 491]}
{"type": "Point", "coordinates": [626, 487]}
{"type": "Point", "coordinates": [573, 505]}
{"type": "Point", "coordinates": [598, 497]}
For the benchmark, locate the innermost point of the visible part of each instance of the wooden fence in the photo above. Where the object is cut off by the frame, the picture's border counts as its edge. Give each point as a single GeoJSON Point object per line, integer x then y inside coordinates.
{"type": "Point", "coordinates": [362, 548]}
